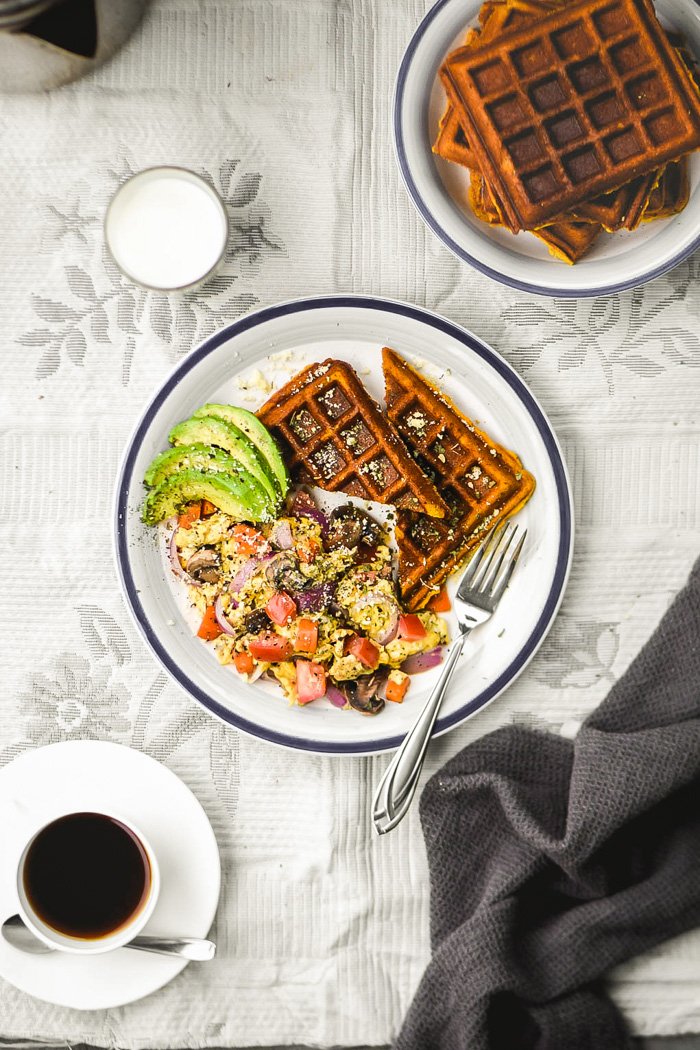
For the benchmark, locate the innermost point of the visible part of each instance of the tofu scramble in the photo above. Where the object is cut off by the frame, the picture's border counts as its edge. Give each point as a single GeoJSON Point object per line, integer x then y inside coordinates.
{"type": "Point", "coordinates": [305, 599]}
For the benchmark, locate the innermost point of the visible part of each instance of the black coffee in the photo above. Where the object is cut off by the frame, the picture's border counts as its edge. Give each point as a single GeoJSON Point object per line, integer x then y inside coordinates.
{"type": "Point", "coordinates": [86, 875]}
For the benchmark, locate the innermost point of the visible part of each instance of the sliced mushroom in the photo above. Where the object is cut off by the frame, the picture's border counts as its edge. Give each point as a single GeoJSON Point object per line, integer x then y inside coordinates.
{"type": "Point", "coordinates": [204, 565]}
{"type": "Point", "coordinates": [283, 572]}
{"type": "Point", "coordinates": [257, 621]}
{"type": "Point", "coordinates": [349, 527]}
{"type": "Point", "coordinates": [363, 693]}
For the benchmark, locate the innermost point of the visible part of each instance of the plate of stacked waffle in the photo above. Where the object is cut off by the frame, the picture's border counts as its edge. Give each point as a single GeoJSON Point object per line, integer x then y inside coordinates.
{"type": "Point", "coordinates": [554, 146]}
{"type": "Point", "coordinates": [395, 411]}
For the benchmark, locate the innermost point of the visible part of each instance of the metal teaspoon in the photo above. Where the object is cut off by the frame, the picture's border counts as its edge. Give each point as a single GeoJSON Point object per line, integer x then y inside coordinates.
{"type": "Point", "coordinates": [20, 936]}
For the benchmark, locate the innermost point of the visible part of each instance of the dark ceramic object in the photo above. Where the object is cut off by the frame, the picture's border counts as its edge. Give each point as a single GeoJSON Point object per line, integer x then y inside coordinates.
{"type": "Point", "coordinates": [46, 43]}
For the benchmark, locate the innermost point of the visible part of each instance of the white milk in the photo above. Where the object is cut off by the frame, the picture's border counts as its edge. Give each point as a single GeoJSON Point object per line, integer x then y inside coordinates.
{"type": "Point", "coordinates": [166, 228]}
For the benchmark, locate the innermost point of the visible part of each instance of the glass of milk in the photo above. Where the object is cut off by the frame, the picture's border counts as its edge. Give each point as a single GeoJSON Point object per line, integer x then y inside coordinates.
{"type": "Point", "coordinates": [166, 229]}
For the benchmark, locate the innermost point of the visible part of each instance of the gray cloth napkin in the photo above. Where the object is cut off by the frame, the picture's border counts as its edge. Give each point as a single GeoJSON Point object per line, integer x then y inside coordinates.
{"type": "Point", "coordinates": [553, 860]}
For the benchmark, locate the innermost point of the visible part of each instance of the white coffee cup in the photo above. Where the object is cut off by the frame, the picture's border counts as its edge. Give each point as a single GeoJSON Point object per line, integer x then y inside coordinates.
{"type": "Point", "coordinates": [86, 944]}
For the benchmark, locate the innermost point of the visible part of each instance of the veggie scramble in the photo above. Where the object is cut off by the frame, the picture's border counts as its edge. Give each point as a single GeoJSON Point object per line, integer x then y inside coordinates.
{"type": "Point", "coordinates": [307, 600]}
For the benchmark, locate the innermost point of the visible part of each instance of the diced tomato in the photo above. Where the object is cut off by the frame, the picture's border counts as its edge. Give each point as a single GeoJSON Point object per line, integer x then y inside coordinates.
{"type": "Point", "coordinates": [244, 663]}
{"type": "Point", "coordinates": [307, 549]}
{"type": "Point", "coordinates": [411, 628]}
{"type": "Point", "coordinates": [396, 690]}
{"type": "Point", "coordinates": [189, 515]}
{"type": "Point", "coordinates": [311, 681]}
{"type": "Point", "coordinates": [209, 628]}
{"type": "Point", "coordinates": [281, 608]}
{"type": "Point", "coordinates": [207, 508]}
{"type": "Point", "coordinates": [307, 636]}
{"type": "Point", "coordinates": [440, 602]}
{"type": "Point", "coordinates": [248, 540]}
{"type": "Point", "coordinates": [270, 647]}
{"type": "Point", "coordinates": [363, 650]}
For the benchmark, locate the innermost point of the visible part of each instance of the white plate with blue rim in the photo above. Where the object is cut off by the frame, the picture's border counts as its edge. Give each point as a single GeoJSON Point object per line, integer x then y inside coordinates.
{"type": "Point", "coordinates": [241, 365]}
{"type": "Point", "coordinates": [438, 188]}
{"type": "Point", "coordinates": [82, 776]}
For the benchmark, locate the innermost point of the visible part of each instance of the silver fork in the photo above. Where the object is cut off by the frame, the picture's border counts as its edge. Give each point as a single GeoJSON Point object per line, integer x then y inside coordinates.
{"type": "Point", "coordinates": [481, 588]}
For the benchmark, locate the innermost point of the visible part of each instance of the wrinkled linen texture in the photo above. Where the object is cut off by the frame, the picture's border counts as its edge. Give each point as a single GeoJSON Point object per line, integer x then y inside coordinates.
{"type": "Point", "coordinates": [588, 854]}
{"type": "Point", "coordinates": [323, 929]}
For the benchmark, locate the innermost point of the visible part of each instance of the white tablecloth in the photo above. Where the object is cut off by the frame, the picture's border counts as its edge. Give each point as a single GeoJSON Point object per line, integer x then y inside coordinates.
{"type": "Point", "coordinates": [323, 929]}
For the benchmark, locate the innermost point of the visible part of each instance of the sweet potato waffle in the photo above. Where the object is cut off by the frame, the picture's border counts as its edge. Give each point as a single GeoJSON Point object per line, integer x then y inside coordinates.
{"type": "Point", "coordinates": [451, 142]}
{"type": "Point", "coordinates": [671, 194]}
{"type": "Point", "coordinates": [496, 19]}
{"type": "Point", "coordinates": [622, 208]}
{"type": "Point", "coordinates": [481, 482]}
{"type": "Point", "coordinates": [621, 89]}
{"type": "Point", "coordinates": [568, 239]}
{"type": "Point", "coordinates": [335, 435]}
{"type": "Point", "coordinates": [616, 210]}
{"type": "Point", "coordinates": [573, 105]}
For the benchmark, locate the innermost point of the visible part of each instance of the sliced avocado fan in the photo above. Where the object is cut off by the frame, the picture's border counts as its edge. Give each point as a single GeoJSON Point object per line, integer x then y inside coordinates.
{"type": "Point", "coordinates": [208, 430]}
{"type": "Point", "coordinates": [257, 433]}
{"type": "Point", "coordinates": [196, 457]}
{"type": "Point", "coordinates": [239, 495]}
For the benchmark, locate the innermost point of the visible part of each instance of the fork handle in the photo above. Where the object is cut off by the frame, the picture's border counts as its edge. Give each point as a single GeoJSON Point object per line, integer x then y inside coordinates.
{"type": "Point", "coordinates": [397, 786]}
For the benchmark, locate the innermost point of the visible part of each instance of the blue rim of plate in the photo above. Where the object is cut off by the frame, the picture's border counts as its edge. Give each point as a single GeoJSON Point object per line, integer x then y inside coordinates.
{"type": "Point", "coordinates": [474, 345]}
{"type": "Point", "coordinates": [461, 253]}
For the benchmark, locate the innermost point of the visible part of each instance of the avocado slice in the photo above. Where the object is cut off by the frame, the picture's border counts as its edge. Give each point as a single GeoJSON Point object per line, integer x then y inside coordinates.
{"type": "Point", "coordinates": [238, 495]}
{"type": "Point", "coordinates": [256, 432]}
{"type": "Point", "coordinates": [195, 457]}
{"type": "Point", "coordinates": [208, 430]}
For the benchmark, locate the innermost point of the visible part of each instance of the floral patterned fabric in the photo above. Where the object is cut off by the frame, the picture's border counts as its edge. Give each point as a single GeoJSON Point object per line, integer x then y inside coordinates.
{"type": "Point", "coordinates": [284, 106]}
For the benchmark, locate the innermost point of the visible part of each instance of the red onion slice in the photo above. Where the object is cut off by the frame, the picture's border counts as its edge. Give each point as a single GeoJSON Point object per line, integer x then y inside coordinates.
{"type": "Point", "coordinates": [389, 633]}
{"type": "Point", "coordinates": [315, 599]}
{"type": "Point", "coordinates": [174, 557]}
{"type": "Point", "coordinates": [243, 575]}
{"type": "Point", "coordinates": [336, 697]}
{"type": "Point", "coordinates": [281, 535]}
{"type": "Point", "coordinates": [221, 617]}
{"type": "Point", "coordinates": [420, 662]}
{"type": "Point", "coordinates": [303, 506]}
{"type": "Point", "coordinates": [393, 614]}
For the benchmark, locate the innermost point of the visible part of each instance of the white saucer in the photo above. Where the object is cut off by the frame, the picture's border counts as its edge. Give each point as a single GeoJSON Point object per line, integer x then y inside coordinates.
{"type": "Point", "coordinates": [86, 775]}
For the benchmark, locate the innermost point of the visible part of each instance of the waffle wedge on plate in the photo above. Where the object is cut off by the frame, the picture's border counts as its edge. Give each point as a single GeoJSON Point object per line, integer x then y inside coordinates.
{"type": "Point", "coordinates": [334, 434]}
{"type": "Point", "coordinates": [481, 482]}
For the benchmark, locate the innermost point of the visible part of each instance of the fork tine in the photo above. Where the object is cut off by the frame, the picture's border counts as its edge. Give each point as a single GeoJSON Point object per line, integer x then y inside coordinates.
{"type": "Point", "coordinates": [497, 592]}
{"type": "Point", "coordinates": [501, 532]}
{"type": "Point", "coordinates": [477, 558]}
{"type": "Point", "coordinates": [508, 535]}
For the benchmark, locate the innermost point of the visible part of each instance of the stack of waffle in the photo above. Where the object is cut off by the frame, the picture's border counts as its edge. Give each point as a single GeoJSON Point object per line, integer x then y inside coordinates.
{"type": "Point", "coordinates": [572, 118]}
{"type": "Point", "coordinates": [449, 482]}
